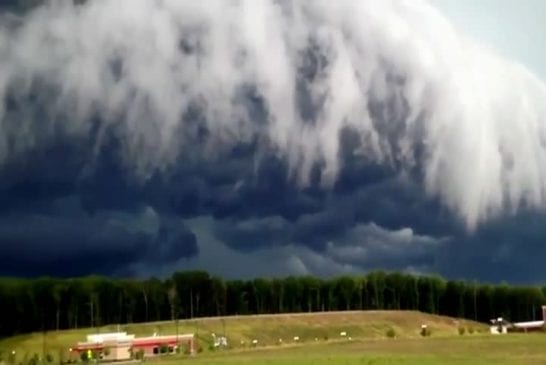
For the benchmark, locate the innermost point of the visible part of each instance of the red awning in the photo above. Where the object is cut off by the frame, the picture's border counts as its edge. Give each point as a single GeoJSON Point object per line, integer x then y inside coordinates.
{"type": "Point", "coordinates": [88, 347]}
{"type": "Point", "coordinates": [154, 342]}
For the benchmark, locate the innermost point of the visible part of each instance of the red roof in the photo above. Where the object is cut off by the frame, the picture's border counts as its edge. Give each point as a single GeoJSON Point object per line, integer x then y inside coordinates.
{"type": "Point", "coordinates": [154, 341]}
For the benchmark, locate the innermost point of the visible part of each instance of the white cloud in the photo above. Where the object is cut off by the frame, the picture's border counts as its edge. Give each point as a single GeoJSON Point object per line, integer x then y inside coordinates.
{"type": "Point", "coordinates": [369, 245]}
{"type": "Point", "coordinates": [479, 117]}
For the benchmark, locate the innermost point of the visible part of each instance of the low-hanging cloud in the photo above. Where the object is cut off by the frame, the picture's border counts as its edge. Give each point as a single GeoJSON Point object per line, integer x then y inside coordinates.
{"type": "Point", "coordinates": [179, 80]}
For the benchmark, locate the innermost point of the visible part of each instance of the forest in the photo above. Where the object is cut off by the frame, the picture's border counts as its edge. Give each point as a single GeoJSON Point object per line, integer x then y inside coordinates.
{"type": "Point", "coordinates": [46, 304]}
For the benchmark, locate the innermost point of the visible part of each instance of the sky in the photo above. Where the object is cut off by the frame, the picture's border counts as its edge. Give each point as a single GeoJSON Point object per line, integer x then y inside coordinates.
{"type": "Point", "coordinates": [272, 138]}
{"type": "Point", "coordinates": [515, 29]}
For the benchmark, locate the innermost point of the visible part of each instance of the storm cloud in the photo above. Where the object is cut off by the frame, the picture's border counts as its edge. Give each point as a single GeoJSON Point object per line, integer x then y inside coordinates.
{"type": "Point", "coordinates": [344, 136]}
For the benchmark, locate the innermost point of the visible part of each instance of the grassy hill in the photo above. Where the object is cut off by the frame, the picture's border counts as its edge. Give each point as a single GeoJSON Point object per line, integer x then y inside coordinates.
{"type": "Point", "coordinates": [478, 349]}
{"type": "Point", "coordinates": [267, 329]}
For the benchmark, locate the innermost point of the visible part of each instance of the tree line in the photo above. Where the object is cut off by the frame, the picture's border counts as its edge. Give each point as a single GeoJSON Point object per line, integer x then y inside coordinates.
{"type": "Point", "coordinates": [47, 304]}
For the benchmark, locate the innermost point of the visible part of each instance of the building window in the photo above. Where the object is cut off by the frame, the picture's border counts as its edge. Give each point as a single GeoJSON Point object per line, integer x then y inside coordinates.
{"type": "Point", "coordinates": [156, 350]}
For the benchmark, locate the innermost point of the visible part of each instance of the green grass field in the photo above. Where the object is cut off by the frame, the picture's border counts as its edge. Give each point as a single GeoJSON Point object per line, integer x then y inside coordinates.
{"type": "Point", "coordinates": [468, 350]}
{"type": "Point", "coordinates": [320, 340]}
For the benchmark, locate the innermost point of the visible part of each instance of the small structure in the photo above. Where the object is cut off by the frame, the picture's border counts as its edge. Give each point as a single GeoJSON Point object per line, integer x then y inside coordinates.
{"type": "Point", "coordinates": [530, 326]}
{"type": "Point", "coordinates": [498, 326]}
{"type": "Point", "coordinates": [501, 326]}
{"type": "Point", "coordinates": [121, 346]}
{"type": "Point", "coordinates": [107, 346]}
{"type": "Point", "coordinates": [158, 345]}
{"type": "Point", "coordinates": [219, 341]}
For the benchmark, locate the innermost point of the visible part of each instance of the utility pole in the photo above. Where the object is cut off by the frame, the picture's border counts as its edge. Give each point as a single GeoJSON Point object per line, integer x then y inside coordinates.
{"type": "Point", "coordinates": [91, 312]}
{"type": "Point", "coordinates": [191, 302]}
{"type": "Point", "coordinates": [44, 345]}
{"type": "Point", "coordinates": [177, 342]}
{"type": "Point", "coordinates": [196, 335]}
{"type": "Point", "coordinates": [475, 294]}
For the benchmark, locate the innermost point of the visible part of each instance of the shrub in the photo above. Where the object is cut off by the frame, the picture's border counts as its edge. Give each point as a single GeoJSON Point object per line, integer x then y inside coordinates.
{"type": "Point", "coordinates": [34, 360]}
{"type": "Point", "coordinates": [49, 358]}
{"type": "Point", "coordinates": [139, 355]}
{"type": "Point", "coordinates": [425, 332]}
{"type": "Point", "coordinates": [163, 349]}
{"type": "Point", "coordinates": [325, 338]}
{"type": "Point", "coordinates": [470, 330]}
{"type": "Point", "coordinates": [61, 357]}
{"type": "Point", "coordinates": [391, 333]}
{"type": "Point", "coordinates": [84, 357]}
{"type": "Point", "coordinates": [461, 331]}
{"type": "Point", "coordinates": [11, 358]}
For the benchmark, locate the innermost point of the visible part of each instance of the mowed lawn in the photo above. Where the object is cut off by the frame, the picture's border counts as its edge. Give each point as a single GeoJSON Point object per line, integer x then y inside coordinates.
{"type": "Point", "coordinates": [320, 340]}
{"type": "Point", "coordinates": [266, 329]}
{"type": "Point", "coordinates": [468, 350]}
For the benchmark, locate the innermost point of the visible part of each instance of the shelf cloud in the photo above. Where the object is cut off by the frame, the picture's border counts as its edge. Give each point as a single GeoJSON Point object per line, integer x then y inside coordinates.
{"type": "Point", "coordinates": [306, 120]}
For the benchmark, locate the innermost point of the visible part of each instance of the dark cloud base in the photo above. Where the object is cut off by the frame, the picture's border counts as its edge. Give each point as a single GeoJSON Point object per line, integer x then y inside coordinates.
{"type": "Point", "coordinates": [65, 216]}
{"type": "Point", "coordinates": [58, 201]}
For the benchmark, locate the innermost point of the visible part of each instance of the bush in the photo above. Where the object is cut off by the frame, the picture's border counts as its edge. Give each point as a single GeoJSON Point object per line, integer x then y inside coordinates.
{"type": "Point", "coordinates": [49, 358]}
{"type": "Point", "coordinates": [34, 360]}
{"type": "Point", "coordinates": [391, 333]}
{"type": "Point", "coordinates": [11, 358]}
{"type": "Point", "coordinates": [470, 330]}
{"type": "Point", "coordinates": [325, 338]}
{"type": "Point", "coordinates": [139, 355]}
{"type": "Point", "coordinates": [163, 349]}
{"type": "Point", "coordinates": [425, 332]}
{"type": "Point", "coordinates": [62, 357]}
{"type": "Point", "coordinates": [461, 331]}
